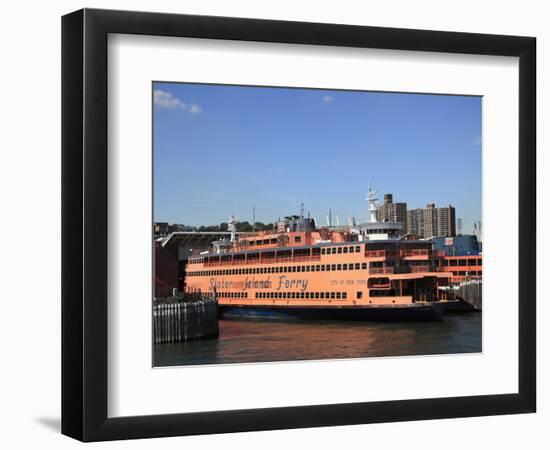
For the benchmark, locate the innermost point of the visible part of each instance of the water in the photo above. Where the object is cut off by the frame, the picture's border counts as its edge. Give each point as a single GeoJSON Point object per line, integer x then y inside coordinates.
{"type": "Point", "coordinates": [243, 341]}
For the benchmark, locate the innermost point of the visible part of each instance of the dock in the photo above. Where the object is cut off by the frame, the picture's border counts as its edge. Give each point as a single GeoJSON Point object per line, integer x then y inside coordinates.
{"type": "Point", "coordinates": [185, 318]}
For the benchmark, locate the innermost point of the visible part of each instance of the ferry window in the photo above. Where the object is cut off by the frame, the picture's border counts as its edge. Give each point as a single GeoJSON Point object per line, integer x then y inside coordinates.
{"type": "Point", "coordinates": [322, 295]}
{"type": "Point", "coordinates": [339, 249]}
{"type": "Point", "coordinates": [479, 262]}
{"type": "Point", "coordinates": [345, 267]}
{"type": "Point", "coordinates": [338, 295]}
{"type": "Point", "coordinates": [317, 268]}
{"type": "Point", "coordinates": [273, 241]}
{"type": "Point", "coordinates": [302, 294]}
{"type": "Point", "coordinates": [332, 295]}
{"type": "Point", "coordinates": [333, 250]}
{"type": "Point", "coordinates": [294, 268]}
{"type": "Point", "coordinates": [322, 251]}
{"type": "Point", "coordinates": [461, 262]}
{"type": "Point", "coordinates": [298, 268]}
{"type": "Point", "coordinates": [357, 266]}
{"type": "Point", "coordinates": [339, 267]}
{"type": "Point", "coordinates": [472, 262]}
{"type": "Point", "coordinates": [333, 267]}
{"type": "Point", "coordinates": [298, 239]}
{"type": "Point", "coordinates": [286, 269]}
{"type": "Point", "coordinates": [317, 295]}
{"type": "Point", "coordinates": [350, 267]}
{"type": "Point", "coordinates": [452, 262]}
{"type": "Point", "coordinates": [307, 294]}
{"type": "Point", "coordinates": [345, 249]}
{"type": "Point", "coordinates": [363, 265]}
{"type": "Point", "coordinates": [444, 262]}
{"type": "Point", "coordinates": [359, 295]}
{"type": "Point", "coordinates": [293, 295]}
{"type": "Point", "coordinates": [358, 248]}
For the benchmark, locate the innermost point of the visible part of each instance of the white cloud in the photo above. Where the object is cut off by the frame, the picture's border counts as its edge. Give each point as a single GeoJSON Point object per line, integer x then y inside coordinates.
{"type": "Point", "coordinates": [164, 99]}
{"type": "Point", "coordinates": [327, 98]}
{"type": "Point", "coordinates": [195, 109]}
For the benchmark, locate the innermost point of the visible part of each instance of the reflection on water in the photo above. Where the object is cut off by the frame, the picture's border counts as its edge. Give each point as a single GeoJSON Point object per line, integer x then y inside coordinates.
{"type": "Point", "coordinates": [243, 341]}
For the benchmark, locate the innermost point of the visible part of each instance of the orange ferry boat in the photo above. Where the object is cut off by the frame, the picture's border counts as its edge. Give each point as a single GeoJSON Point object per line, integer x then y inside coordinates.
{"type": "Point", "coordinates": [300, 271]}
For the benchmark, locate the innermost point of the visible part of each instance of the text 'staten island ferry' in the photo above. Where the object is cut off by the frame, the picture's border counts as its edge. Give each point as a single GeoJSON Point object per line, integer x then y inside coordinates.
{"type": "Point", "coordinates": [301, 271]}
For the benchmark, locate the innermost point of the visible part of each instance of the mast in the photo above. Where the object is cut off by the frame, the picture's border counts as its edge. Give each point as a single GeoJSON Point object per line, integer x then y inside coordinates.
{"type": "Point", "coordinates": [373, 205]}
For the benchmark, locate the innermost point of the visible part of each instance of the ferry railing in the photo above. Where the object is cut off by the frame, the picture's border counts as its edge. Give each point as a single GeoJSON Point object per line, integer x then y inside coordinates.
{"type": "Point", "coordinates": [381, 253]}
{"type": "Point", "coordinates": [284, 259]}
{"type": "Point", "coordinates": [416, 269]}
{"type": "Point", "coordinates": [395, 253]}
{"type": "Point", "coordinates": [405, 253]}
{"type": "Point", "coordinates": [380, 270]}
{"type": "Point", "coordinates": [400, 269]}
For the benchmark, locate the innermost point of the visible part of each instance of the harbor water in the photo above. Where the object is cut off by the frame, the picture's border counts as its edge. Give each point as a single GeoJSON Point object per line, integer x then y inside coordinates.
{"type": "Point", "coordinates": [246, 341]}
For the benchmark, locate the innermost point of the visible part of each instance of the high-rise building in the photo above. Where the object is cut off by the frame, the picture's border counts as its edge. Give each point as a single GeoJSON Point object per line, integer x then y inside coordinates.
{"type": "Point", "coordinates": [392, 212]}
{"type": "Point", "coordinates": [446, 221]}
{"type": "Point", "coordinates": [431, 221]}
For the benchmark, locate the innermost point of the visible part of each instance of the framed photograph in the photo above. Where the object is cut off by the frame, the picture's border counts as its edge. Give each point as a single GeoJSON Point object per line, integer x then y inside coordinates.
{"type": "Point", "coordinates": [272, 224]}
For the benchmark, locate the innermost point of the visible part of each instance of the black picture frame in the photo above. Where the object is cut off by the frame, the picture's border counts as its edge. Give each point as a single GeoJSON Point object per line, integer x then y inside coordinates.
{"type": "Point", "coordinates": [84, 224]}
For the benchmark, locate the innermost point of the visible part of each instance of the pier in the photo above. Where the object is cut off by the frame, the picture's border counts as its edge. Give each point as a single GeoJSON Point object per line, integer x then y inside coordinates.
{"type": "Point", "coordinates": [185, 318]}
{"type": "Point", "coordinates": [471, 293]}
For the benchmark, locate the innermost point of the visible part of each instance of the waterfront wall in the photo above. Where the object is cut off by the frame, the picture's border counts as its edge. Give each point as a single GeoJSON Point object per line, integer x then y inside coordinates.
{"type": "Point", "coordinates": [471, 292]}
{"type": "Point", "coordinates": [178, 320]}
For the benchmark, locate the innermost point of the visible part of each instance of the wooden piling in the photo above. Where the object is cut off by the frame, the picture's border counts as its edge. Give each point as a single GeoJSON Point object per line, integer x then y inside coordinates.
{"type": "Point", "coordinates": [188, 317]}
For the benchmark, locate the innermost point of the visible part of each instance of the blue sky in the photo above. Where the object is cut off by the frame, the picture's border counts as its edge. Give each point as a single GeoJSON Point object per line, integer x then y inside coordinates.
{"type": "Point", "coordinates": [218, 150]}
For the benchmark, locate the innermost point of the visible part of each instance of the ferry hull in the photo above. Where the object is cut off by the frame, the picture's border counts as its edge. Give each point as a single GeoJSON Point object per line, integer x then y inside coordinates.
{"type": "Point", "coordinates": [405, 313]}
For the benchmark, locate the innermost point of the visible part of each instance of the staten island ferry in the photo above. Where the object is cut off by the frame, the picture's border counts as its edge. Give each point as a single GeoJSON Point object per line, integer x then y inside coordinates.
{"type": "Point", "coordinates": [300, 271]}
